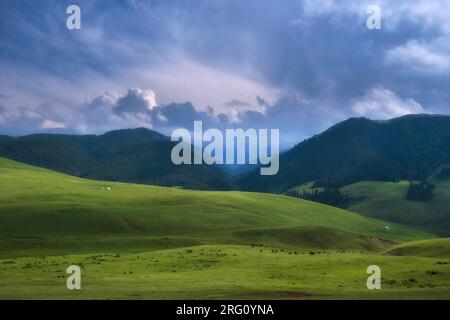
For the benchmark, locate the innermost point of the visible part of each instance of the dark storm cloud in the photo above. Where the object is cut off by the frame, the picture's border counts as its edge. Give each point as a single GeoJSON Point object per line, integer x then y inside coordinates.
{"type": "Point", "coordinates": [298, 66]}
{"type": "Point", "coordinates": [136, 101]}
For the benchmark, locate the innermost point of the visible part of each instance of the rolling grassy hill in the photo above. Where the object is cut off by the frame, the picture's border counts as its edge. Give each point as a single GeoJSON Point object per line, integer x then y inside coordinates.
{"type": "Point", "coordinates": [38, 206]}
{"type": "Point", "coordinates": [386, 200]}
{"type": "Point", "coordinates": [145, 242]}
{"type": "Point", "coordinates": [439, 248]}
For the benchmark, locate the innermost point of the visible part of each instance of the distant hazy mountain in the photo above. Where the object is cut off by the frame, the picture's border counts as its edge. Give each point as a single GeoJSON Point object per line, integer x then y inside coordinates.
{"type": "Point", "coordinates": [358, 149]}
{"type": "Point", "coordinates": [131, 155]}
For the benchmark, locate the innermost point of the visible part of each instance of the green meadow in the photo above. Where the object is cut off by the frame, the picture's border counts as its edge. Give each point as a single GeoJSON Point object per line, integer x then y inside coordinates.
{"type": "Point", "coordinates": [144, 242]}
{"type": "Point", "coordinates": [224, 272]}
{"type": "Point", "coordinates": [386, 200]}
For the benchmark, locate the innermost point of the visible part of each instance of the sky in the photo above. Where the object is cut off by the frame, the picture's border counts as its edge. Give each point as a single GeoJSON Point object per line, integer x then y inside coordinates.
{"type": "Point", "coordinates": [297, 66]}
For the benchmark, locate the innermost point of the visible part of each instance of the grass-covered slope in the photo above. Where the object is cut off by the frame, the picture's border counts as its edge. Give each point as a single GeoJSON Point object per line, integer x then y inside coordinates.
{"type": "Point", "coordinates": [313, 237]}
{"type": "Point", "coordinates": [45, 211]}
{"type": "Point", "coordinates": [144, 242]}
{"type": "Point", "coordinates": [424, 248]}
{"type": "Point", "coordinates": [386, 200]}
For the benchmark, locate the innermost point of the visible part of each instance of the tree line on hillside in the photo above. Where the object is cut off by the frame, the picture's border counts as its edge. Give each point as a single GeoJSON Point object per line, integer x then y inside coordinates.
{"type": "Point", "coordinates": [417, 191]}
{"type": "Point", "coordinates": [420, 191]}
{"type": "Point", "coordinates": [329, 196]}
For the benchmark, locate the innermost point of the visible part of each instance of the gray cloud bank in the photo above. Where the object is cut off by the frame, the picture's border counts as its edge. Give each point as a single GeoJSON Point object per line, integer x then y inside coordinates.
{"type": "Point", "coordinates": [296, 118]}
{"type": "Point", "coordinates": [300, 66]}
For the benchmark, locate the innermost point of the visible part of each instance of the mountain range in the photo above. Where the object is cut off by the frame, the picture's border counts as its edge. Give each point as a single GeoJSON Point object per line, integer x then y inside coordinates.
{"type": "Point", "coordinates": [358, 149]}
